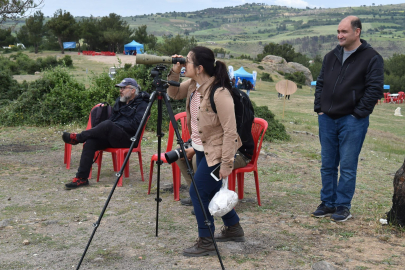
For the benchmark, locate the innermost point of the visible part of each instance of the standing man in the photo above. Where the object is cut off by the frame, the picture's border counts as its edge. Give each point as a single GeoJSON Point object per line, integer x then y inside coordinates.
{"type": "Point", "coordinates": [347, 89]}
{"type": "Point", "coordinates": [115, 132]}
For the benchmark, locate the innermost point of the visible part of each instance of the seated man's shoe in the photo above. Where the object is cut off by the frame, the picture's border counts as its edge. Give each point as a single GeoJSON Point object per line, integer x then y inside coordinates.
{"type": "Point", "coordinates": [323, 211]}
{"type": "Point", "coordinates": [342, 214]}
{"type": "Point", "coordinates": [186, 201]}
{"type": "Point", "coordinates": [70, 138]}
{"type": "Point", "coordinates": [203, 247]}
{"type": "Point", "coordinates": [231, 233]}
{"type": "Point", "coordinates": [77, 182]}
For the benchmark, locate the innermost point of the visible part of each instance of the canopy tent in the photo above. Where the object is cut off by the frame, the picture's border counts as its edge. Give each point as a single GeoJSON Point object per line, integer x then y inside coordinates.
{"type": "Point", "coordinates": [243, 74]}
{"type": "Point", "coordinates": [69, 45]}
{"type": "Point", "coordinates": [133, 46]}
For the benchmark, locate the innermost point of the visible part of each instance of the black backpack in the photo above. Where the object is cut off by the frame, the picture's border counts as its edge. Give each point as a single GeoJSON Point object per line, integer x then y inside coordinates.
{"type": "Point", "coordinates": [244, 115]}
{"type": "Point", "coordinates": [100, 113]}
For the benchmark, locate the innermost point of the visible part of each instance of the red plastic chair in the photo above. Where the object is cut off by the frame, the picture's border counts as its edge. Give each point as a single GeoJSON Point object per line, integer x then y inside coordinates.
{"type": "Point", "coordinates": [387, 98]}
{"type": "Point", "coordinates": [118, 157]}
{"type": "Point", "coordinates": [259, 128]}
{"type": "Point", "coordinates": [185, 135]}
{"type": "Point", "coordinates": [401, 97]}
{"type": "Point", "coordinates": [68, 147]}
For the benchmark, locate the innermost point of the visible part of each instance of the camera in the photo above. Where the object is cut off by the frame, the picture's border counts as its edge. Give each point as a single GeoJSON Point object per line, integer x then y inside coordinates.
{"type": "Point", "coordinates": [175, 154]}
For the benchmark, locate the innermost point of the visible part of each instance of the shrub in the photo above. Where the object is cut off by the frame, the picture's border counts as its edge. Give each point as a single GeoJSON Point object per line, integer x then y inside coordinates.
{"type": "Point", "coordinates": [260, 67]}
{"type": "Point", "coordinates": [266, 77]}
{"type": "Point", "coordinates": [275, 130]}
{"type": "Point", "coordinates": [297, 77]}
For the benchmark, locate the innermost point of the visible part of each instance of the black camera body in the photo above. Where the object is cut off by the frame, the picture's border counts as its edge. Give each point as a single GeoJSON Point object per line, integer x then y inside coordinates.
{"type": "Point", "coordinates": [175, 154]}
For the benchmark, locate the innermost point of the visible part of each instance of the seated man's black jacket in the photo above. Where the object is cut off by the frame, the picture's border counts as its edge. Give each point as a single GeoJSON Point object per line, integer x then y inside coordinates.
{"type": "Point", "coordinates": [128, 116]}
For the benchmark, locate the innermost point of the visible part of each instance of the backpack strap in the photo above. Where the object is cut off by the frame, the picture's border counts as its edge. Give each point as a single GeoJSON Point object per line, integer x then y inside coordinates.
{"type": "Point", "coordinates": [214, 88]}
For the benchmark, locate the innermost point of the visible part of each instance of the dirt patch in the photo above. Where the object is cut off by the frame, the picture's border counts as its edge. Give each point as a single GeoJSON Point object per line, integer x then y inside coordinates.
{"type": "Point", "coordinates": [58, 223]}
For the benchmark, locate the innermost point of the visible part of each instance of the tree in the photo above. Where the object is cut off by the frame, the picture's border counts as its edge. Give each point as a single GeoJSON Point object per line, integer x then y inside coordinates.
{"type": "Point", "coordinates": [6, 38]}
{"type": "Point", "coordinates": [141, 36]}
{"type": "Point", "coordinates": [23, 36]}
{"type": "Point", "coordinates": [285, 50]}
{"type": "Point", "coordinates": [62, 25]}
{"type": "Point", "coordinates": [90, 32]}
{"type": "Point", "coordinates": [35, 28]}
{"type": "Point", "coordinates": [10, 9]}
{"type": "Point", "coordinates": [116, 32]}
{"type": "Point", "coordinates": [394, 69]}
{"type": "Point", "coordinates": [177, 45]}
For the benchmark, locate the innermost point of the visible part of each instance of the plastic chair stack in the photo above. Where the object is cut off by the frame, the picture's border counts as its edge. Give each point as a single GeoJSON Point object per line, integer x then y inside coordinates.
{"type": "Point", "coordinates": [259, 128]}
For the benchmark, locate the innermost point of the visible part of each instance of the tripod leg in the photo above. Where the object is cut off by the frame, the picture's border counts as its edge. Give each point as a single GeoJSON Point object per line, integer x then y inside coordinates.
{"type": "Point", "coordinates": [120, 173]}
{"type": "Point", "coordinates": [159, 160]}
{"type": "Point", "coordinates": [190, 172]}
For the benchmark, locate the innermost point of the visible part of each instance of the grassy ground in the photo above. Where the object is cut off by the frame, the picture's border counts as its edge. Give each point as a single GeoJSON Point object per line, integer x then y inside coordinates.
{"type": "Point", "coordinates": [280, 234]}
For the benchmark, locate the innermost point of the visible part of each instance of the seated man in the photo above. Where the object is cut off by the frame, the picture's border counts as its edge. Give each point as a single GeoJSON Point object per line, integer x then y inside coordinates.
{"type": "Point", "coordinates": [115, 132]}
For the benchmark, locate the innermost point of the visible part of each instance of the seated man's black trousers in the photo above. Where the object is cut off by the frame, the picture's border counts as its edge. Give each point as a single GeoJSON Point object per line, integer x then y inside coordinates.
{"type": "Point", "coordinates": [104, 135]}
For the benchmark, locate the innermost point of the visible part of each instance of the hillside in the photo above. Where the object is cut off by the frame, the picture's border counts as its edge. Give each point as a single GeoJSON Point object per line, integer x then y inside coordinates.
{"type": "Point", "coordinates": [245, 29]}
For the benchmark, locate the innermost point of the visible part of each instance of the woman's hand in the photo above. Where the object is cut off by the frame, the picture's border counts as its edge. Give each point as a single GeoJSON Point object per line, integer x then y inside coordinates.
{"type": "Point", "coordinates": [223, 174]}
{"type": "Point", "coordinates": [177, 67]}
{"type": "Point", "coordinates": [189, 153]}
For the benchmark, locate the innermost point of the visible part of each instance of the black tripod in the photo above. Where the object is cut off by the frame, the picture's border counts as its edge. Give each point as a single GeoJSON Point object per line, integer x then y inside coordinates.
{"type": "Point", "coordinates": [159, 94]}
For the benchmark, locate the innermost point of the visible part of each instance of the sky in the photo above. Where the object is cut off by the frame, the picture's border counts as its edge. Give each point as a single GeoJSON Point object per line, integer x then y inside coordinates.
{"type": "Point", "coordinates": [131, 8]}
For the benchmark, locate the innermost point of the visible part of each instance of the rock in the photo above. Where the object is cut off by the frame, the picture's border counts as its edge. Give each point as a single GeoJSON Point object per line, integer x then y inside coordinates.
{"type": "Point", "coordinates": [300, 68]}
{"type": "Point", "coordinates": [5, 223]}
{"type": "Point", "coordinates": [98, 259]}
{"type": "Point", "coordinates": [26, 242]}
{"type": "Point", "coordinates": [323, 265]}
{"type": "Point", "coordinates": [277, 63]}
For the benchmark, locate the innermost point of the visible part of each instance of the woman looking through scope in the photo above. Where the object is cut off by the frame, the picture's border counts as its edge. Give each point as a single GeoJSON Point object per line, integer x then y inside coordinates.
{"type": "Point", "coordinates": [214, 140]}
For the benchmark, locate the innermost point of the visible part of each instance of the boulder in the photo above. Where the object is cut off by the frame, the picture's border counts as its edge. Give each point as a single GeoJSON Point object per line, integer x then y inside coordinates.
{"type": "Point", "coordinates": [277, 63]}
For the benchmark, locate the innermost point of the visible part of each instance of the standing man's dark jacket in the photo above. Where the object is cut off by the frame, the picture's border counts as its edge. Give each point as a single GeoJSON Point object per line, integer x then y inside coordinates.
{"type": "Point", "coordinates": [129, 116]}
{"type": "Point", "coordinates": [352, 88]}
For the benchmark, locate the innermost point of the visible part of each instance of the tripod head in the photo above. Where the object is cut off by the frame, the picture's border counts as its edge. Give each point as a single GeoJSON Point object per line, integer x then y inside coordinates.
{"type": "Point", "coordinates": [158, 83]}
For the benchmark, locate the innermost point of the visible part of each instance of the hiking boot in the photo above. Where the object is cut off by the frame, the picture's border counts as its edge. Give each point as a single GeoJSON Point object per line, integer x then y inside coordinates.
{"type": "Point", "coordinates": [70, 138]}
{"type": "Point", "coordinates": [186, 201]}
{"type": "Point", "coordinates": [323, 211]}
{"type": "Point", "coordinates": [231, 233]}
{"type": "Point", "coordinates": [203, 247]}
{"type": "Point", "coordinates": [77, 182]}
{"type": "Point", "coordinates": [342, 214]}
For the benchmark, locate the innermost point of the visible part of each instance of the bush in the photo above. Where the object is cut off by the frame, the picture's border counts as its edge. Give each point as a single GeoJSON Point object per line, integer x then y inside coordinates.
{"type": "Point", "coordinates": [267, 77]}
{"type": "Point", "coordinates": [275, 130]}
{"type": "Point", "coordinates": [297, 77]}
{"type": "Point", "coordinates": [260, 67]}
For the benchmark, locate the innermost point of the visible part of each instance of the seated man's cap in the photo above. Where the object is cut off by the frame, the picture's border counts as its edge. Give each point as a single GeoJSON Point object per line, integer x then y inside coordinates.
{"type": "Point", "coordinates": [127, 81]}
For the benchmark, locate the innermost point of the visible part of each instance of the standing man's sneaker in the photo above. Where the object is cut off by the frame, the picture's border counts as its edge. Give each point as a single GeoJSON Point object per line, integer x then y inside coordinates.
{"type": "Point", "coordinates": [342, 214]}
{"type": "Point", "coordinates": [186, 201]}
{"type": "Point", "coordinates": [77, 182]}
{"type": "Point", "coordinates": [231, 233]}
{"type": "Point", "coordinates": [70, 138]}
{"type": "Point", "coordinates": [323, 211]}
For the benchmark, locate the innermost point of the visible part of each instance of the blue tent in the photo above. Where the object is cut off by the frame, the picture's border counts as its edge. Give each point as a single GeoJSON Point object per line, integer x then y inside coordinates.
{"type": "Point", "coordinates": [133, 46]}
{"type": "Point", "coordinates": [243, 74]}
{"type": "Point", "coordinates": [69, 45]}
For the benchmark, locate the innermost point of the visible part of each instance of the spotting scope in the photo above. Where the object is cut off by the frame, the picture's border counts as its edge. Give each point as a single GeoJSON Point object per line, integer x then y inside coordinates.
{"type": "Point", "coordinates": [153, 59]}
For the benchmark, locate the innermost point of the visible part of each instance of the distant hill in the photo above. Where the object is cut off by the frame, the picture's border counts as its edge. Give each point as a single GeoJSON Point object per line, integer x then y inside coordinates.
{"type": "Point", "coordinates": [245, 29]}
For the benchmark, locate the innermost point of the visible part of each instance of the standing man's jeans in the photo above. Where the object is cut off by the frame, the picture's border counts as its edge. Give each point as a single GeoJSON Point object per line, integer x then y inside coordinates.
{"type": "Point", "coordinates": [341, 141]}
